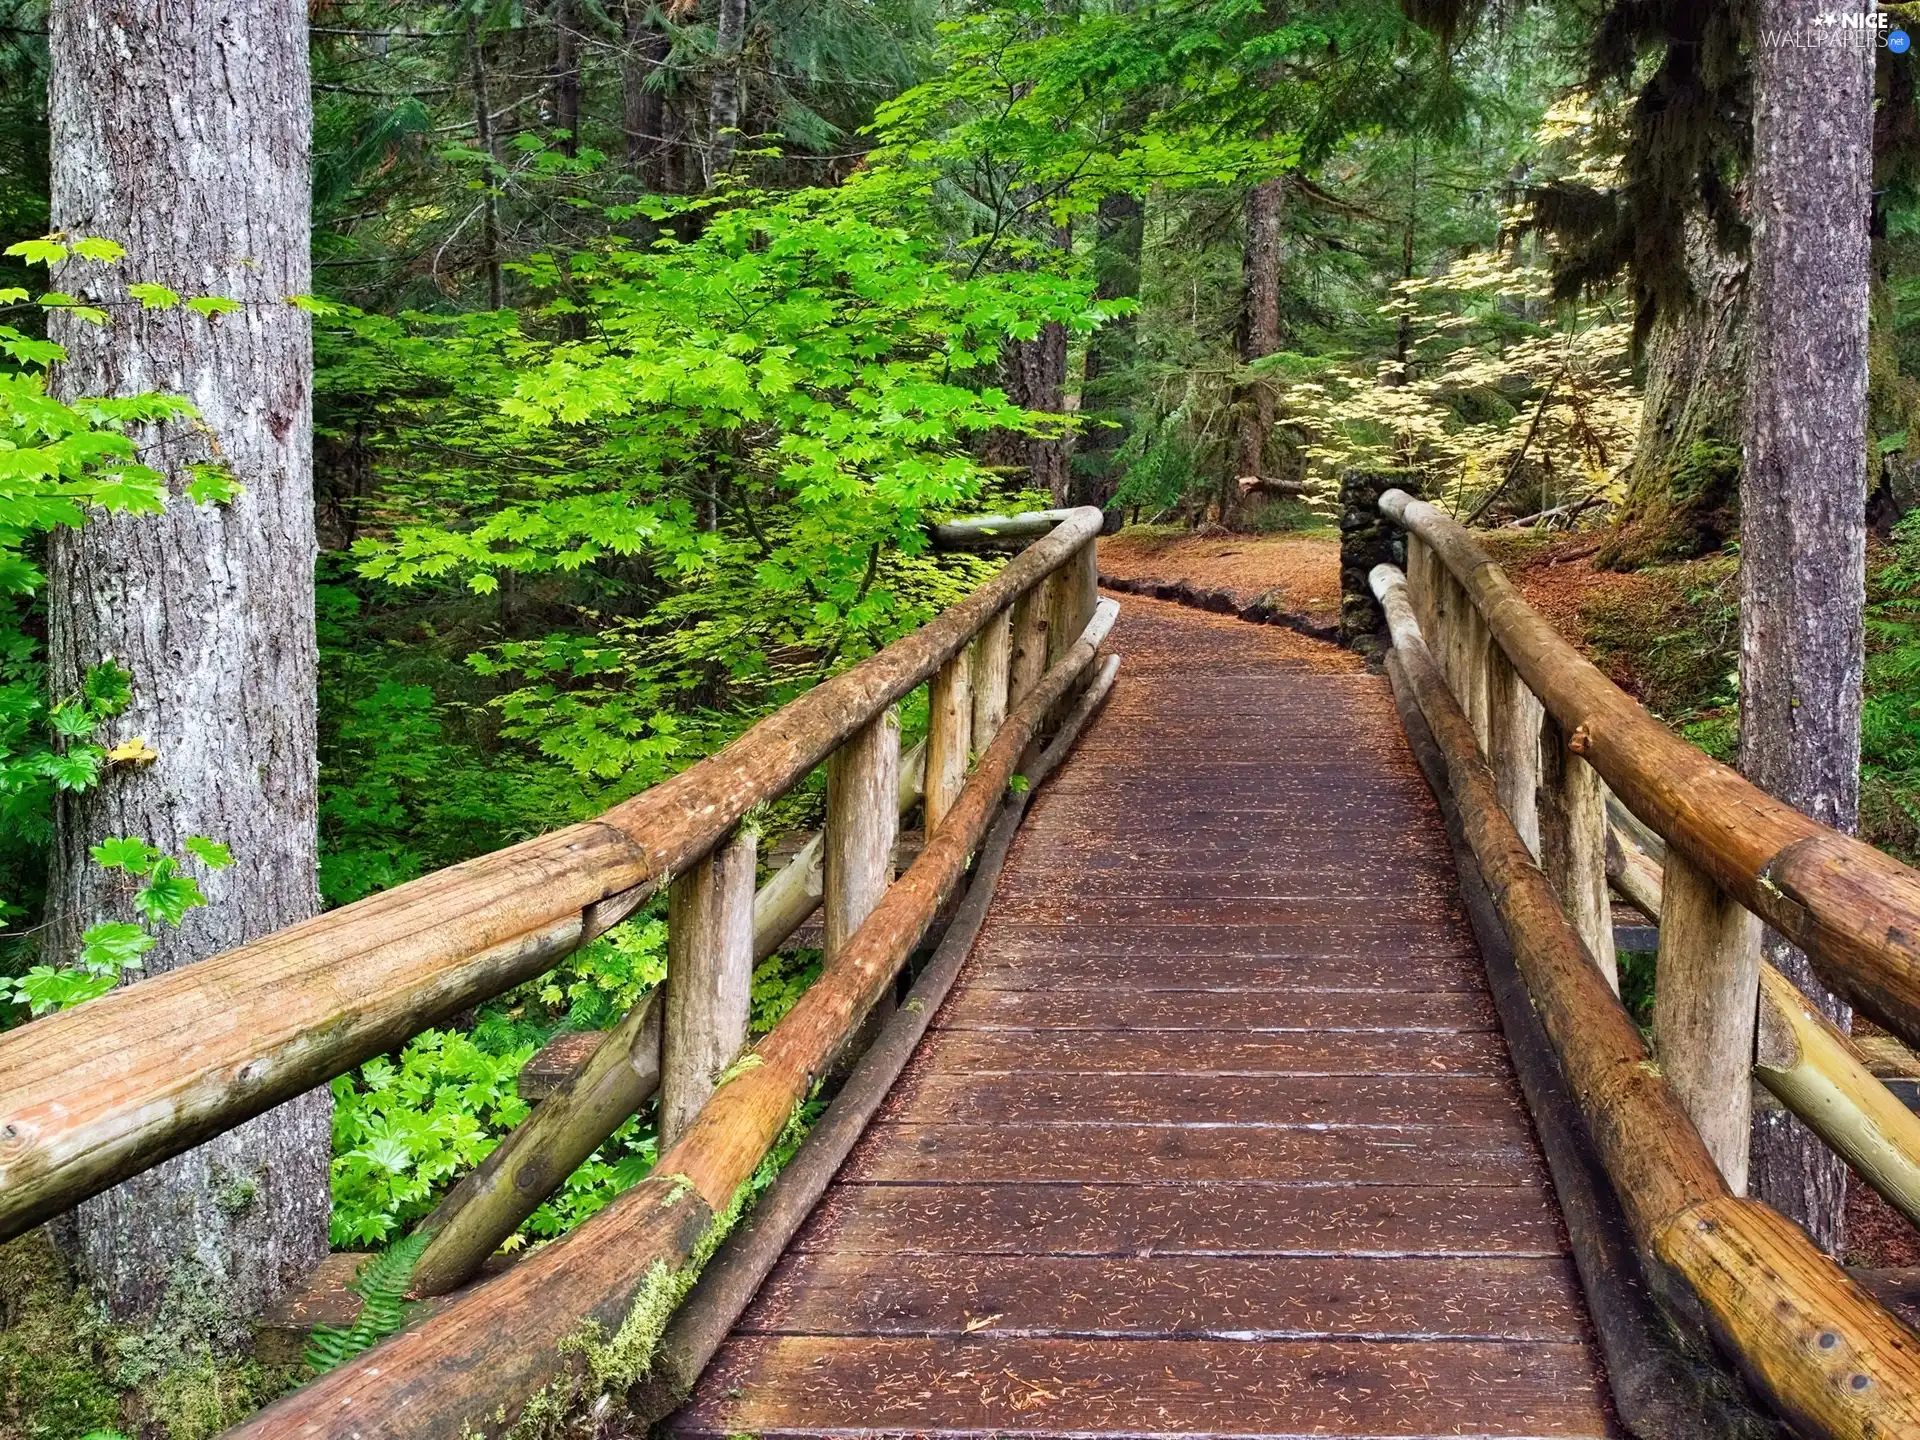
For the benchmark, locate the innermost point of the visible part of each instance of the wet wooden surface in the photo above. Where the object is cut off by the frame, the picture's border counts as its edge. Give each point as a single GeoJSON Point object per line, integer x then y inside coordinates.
{"type": "Point", "coordinates": [1216, 1135]}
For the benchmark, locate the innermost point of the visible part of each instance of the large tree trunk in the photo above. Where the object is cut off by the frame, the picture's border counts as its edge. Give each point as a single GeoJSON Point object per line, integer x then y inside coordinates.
{"type": "Point", "coordinates": [1108, 386]}
{"type": "Point", "coordinates": [566, 75]}
{"type": "Point", "coordinates": [1259, 335]}
{"type": "Point", "coordinates": [723, 117]}
{"type": "Point", "coordinates": [645, 100]}
{"type": "Point", "coordinates": [181, 130]}
{"type": "Point", "coordinates": [1259, 330]}
{"type": "Point", "coordinates": [490, 191]}
{"type": "Point", "coordinates": [1803, 495]}
{"type": "Point", "coordinates": [1683, 487]}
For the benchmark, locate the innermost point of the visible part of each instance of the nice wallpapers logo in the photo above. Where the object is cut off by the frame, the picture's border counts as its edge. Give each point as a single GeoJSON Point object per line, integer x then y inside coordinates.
{"type": "Point", "coordinates": [1840, 28]}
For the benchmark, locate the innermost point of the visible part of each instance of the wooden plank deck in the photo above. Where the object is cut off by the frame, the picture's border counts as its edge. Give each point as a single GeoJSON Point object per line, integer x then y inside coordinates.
{"type": "Point", "coordinates": [1216, 1135]}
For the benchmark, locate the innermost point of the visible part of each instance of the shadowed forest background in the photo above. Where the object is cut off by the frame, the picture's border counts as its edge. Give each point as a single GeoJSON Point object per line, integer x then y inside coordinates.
{"type": "Point", "coordinates": [648, 338]}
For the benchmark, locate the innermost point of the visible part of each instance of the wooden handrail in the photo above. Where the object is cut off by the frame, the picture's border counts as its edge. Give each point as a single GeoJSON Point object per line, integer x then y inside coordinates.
{"type": "Point", "coordinates": [1809, 1065]}
{"type": "Point", "coordinates": [1853, 910]}
{"type": "Point", "coordinates": [583, 1314]}
{"type": "Point", "coordinates": [1823, 1351]}
{"type": "Point", "coordinates": [101, 1092]}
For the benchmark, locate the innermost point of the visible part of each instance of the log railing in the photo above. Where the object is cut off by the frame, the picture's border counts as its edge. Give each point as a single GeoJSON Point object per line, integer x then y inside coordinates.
{"type": "Point", "coordinates": [93, 1095]}
{"type": "Point", "coordinates": [1534, 737]}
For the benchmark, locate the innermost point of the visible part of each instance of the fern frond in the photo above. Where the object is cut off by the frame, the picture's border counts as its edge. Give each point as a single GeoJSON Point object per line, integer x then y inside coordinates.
{"type": "Point", "coordinates": [382, 1286]}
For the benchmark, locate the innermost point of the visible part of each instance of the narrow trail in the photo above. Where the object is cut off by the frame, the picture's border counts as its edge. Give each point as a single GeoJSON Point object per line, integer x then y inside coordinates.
{"type": "Point", "coordinates": [1216, 1134]}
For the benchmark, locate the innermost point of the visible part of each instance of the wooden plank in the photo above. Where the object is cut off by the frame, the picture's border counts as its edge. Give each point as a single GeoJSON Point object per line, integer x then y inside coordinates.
{"type": "Point", "coordinates": [1191, 1297]}
{"type": "Point", "coordinates": [1148, 1155]}
{"type": "Point", "coordinates": [1150, 1052]}
{"type": "Point", "coordinates": [1032, 1098]}
{"type": "Point", "coordinates": [1398, 917]}
{"type": "Point", "coordinates": [1115, 881]}
{"type": "Point", "coordinates": [1185, 1218]}
{"type": "Point", "coordinates": [1226, 1011]}
{"type": "Point", "coordinates": [556, 1061]}
{"type": "Point", "coordinates": [1332, 938]}
{"type": "Point", "coordinates": [771, 1386]}
{"type": "Point", "coordinates": [1008, 965]}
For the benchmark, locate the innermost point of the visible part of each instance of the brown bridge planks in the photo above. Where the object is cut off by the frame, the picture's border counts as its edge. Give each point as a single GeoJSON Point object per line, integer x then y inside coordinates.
{"type": "Point", "coordinates": [1220, 1142]}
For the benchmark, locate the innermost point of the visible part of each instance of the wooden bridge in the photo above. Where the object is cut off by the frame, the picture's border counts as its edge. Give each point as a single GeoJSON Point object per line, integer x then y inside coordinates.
{"type": "Point", "coordinates": [1266, 1078]}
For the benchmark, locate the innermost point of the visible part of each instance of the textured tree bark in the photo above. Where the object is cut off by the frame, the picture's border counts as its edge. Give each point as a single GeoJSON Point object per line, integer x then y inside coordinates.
{"type": "Point", "coordinates": [181, 130]}
{"type": "Point", "coordinates": [723, 114]}
{"type": "Point", "coordinates": [1803, 493]}
{"type": "Point", "coordinates": [1682, 488]}
{"type": "Point", "coordinates": [566, 75]}
{"type": "Point", "coordinates": [1035, 372]}
{"type": "Point", "coordinates": [1259, 324]}
{"type": "Point", "coordinates": [1107, 390]}
{"type": "Point", "coordinates": [644, 103]}
{"type": "Point", "coordinates": [483, 141]}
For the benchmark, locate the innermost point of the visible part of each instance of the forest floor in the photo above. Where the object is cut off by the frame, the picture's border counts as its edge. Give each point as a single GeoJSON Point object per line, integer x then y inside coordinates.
{"type": "Point", "coordinates": [1668, 635]}
{"type": "Point", "coordinates": [1296, 572]}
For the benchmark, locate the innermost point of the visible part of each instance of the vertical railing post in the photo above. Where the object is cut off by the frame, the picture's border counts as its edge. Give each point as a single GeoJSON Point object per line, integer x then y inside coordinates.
{"type": "Point", "coordinates": [863, 816]}
{"type": "Point", "coordinates": [1076, 590]}
{"type": "Point", "coordinates": [1032, 614]}
{"type": "Point", "coordinates": [949, 727]}
{"type": "Point", "coordinates": [1420, 587]}
{"type": "Point", "coordinates": [992, 670]}
{"type": "Point", "coordinates": [1572, 806]}
{"type": "Point", "coordinates": [709, 979]}
{"type": "Point", "coordinates": [1705, 997]}
{"type": "Point", "coordinates": [1471, 686]}
{"type": "Point", "coordinates": [1513, 751]}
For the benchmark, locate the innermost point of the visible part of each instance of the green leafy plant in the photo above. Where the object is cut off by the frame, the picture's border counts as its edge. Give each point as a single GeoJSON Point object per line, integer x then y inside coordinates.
{"type": "Point", "coordinates": [163, 896]}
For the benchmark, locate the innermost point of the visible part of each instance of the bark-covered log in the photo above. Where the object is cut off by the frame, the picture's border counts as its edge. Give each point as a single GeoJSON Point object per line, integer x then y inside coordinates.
{"type": "Point", "coordinates": [105, 1090]}
{"type": "Point", "coordinates": [726, 96]}
{"type": "Point", "coordinates": [1803, 492]}
{"type": "Point", "coordinates": [1110, 386]}
{"type": "Point", "coordinates": [1821, 1350]}
{"type": "Point", "coordinates": [584, 1313]}
{"type": "Point", "coordinates": [182, 132]}
{"type": "Point", "coordinates": [1852, 909]}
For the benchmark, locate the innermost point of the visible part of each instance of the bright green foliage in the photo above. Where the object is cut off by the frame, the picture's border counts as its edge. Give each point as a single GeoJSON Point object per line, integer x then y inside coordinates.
{"type": "Point", "coordinates": [1890, 724]}
{"type": "Point", "coordinates": [382, 1287]}
{"type": "Point", "coordinates": [402, 1130]}
{"type": "Point", "coordinates": [162, 896]}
